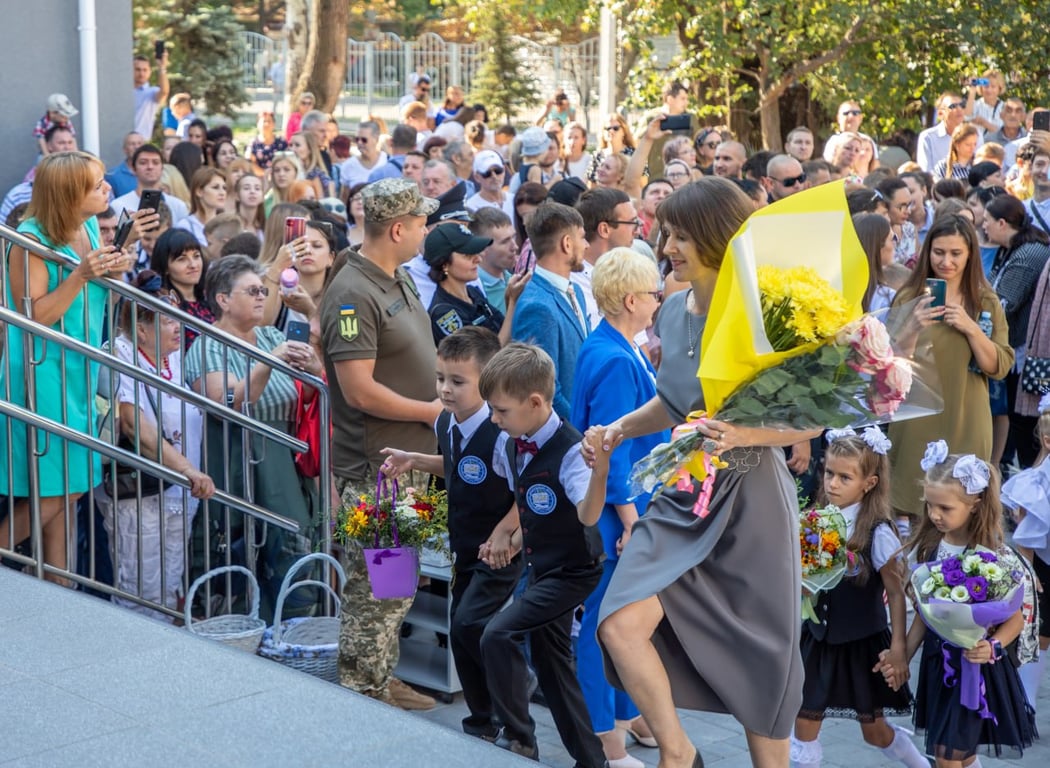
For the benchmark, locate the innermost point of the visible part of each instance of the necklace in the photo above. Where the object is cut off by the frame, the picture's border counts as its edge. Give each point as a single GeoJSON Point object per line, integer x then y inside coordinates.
{"type": "Point", "coordinates": [694, 338]}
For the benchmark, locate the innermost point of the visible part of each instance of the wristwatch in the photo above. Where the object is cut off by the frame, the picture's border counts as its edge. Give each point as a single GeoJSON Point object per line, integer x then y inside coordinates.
{"type": "Point", "coordinates": [997, 650]}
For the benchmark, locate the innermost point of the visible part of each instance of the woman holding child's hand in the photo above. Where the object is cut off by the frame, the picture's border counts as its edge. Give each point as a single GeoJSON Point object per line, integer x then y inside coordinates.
{"type": "Point", "coordinates": [703, 612]}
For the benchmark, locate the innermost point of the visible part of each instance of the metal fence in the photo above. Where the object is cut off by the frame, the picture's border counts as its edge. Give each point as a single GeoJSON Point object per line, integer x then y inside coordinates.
{"type": "Point", "coordinates": [128, 549]}
{"type": "Point", "coordinates": [378, 71]}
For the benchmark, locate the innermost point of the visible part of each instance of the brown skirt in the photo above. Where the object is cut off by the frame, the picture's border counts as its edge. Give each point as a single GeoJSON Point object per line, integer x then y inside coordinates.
{"type": "Point", "coordinates": [730, 587]}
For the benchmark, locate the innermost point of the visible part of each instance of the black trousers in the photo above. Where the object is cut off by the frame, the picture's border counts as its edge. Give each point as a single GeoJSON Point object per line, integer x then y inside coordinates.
{"type": "Point", "coordinates": [1022, 436]}
{"type": "Point", "coordinates": [478, 592]}
{"type": "Point", "coordinates": [544, 613]}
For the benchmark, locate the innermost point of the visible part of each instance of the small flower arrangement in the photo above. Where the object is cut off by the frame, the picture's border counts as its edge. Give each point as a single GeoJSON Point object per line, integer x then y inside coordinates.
{"type": "Point", "coordinates": [825, 558]}
{"type": "Point", "coordinates": [413, 519]}
{"type": "Point", "coordinates": [973, 577]}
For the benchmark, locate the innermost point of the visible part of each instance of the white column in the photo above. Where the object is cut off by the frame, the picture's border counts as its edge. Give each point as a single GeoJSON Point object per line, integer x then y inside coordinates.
{"type": "Point", "coordinates": [89, 113]}
{"type": "Point", "coordinates": [607, 62]}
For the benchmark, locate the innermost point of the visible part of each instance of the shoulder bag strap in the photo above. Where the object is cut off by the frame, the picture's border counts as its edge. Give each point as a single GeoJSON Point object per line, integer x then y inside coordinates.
{"type": "Point", "coordinates": [1039, 216]}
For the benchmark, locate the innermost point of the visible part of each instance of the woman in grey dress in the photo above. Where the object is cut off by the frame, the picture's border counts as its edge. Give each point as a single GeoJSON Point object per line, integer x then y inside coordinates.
{"type": "Point", "coordinates": [704, 613]}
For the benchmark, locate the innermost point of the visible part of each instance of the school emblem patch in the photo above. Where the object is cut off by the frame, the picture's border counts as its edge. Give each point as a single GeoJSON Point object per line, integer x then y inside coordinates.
{"type": "Point", "coordinates": [450, 322]}
{"type": "Point", "coordinates": [472, 470]}
{"type": "Point", "coordinates": [348, 322]}
{"type": "Point", "coordinates": [541, 499]}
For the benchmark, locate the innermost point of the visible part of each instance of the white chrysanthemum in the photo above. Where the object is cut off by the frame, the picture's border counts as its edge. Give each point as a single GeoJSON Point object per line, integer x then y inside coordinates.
{"type": "Point", "coordinates": [991, 571]}
{"type": "Point", "coordinates": [959, 594]}
{"type": "Point", "coordinates": [928, 586]}
{"type": "Point", "coordinates": [972, 564]}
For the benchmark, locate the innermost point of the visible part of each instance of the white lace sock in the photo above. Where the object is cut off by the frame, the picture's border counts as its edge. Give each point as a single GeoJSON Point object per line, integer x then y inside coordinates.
{"type": "Point", "coordinates": [1031, 675]}
{"type": "Point", "coordinates": [904, 750]}
{"type": "Point", "coordinates": [807, 754]}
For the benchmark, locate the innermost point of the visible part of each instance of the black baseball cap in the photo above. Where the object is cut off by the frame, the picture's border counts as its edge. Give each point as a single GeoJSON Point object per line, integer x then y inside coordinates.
{"type": "Point", "coordinates": [446, 239]}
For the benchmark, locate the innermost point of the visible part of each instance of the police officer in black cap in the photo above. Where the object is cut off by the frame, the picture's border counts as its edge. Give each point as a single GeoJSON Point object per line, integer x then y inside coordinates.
{"type": "Point", "coordinates": [453, 253]}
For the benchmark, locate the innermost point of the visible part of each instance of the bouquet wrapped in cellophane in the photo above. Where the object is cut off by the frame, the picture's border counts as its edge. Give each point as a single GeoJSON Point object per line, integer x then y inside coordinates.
{"type": "Point", "coordinates": [960, 598]}
{"type": "Point", "coordinates": [825, 558]}
{"type": "Point", "coordinates": [786, 344]}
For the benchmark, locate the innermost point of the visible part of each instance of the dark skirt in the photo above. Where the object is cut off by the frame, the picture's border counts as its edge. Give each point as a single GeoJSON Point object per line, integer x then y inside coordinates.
{"type": "Point", "coordinates": [729, 585]}
{"type": "Point", "coordinates": [839, 681]}
{"type": "Point", "coordinates": [954, 732]}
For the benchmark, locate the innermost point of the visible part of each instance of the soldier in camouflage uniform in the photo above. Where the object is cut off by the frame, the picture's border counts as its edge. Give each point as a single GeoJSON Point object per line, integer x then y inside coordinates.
{"type": "Point", "coordinates": [380, 352]}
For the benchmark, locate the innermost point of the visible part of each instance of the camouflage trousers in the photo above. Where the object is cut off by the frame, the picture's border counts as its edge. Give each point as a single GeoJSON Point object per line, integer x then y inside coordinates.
{"type": "Point", "coordinates": [370, 629]}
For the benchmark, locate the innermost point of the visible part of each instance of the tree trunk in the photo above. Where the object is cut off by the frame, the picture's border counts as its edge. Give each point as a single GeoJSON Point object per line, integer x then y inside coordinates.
{"type": "Point", "coordinates": [769, 114]}
{"type": "Point", "coordinates": [296, 32]}
{"type": "Point", "coordinates": [328, 52]}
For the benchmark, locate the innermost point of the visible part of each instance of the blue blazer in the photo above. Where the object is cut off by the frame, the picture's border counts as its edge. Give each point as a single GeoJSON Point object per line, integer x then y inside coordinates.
{"type": "Point", "coordinates": [611, 380]}
{"type": "Point", "coordinates": [543, 317]}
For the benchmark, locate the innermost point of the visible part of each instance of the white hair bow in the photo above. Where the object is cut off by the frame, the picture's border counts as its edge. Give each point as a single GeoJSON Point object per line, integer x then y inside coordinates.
{"type": "Point", "coordinates": [876, 440]}
{"type": "Point", "coordinates": [1044, 403]}
{"type": "Point", "coordinates": [972, 473]}
{"type": "Point", "coordinates": [936, 453]}
{"type": "Point", "coordinates": [838, 434]}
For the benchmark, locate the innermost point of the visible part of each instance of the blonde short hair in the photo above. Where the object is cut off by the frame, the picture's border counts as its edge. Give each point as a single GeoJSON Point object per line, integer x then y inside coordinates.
{"type": "Point", "coordinates": [618, 272]}
{"type": "Point", "coordinates": [63, 180]}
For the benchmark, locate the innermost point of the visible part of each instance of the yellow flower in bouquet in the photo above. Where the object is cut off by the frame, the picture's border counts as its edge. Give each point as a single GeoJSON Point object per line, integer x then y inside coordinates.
{"type": "Point", "coordinates": [799, 306]}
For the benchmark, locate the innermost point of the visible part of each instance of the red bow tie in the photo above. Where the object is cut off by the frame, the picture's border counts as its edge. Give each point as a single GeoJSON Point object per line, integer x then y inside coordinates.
{"type": "Point", "coordinates": [525, 446]}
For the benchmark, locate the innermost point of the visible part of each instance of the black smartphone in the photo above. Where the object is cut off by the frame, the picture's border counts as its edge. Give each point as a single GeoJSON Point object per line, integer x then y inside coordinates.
{"type": "Point", "coordinates": [151, 198]}
{"type": "Point", "coordinates": [675, 123]}
{"type": "Point", "coordinates": [124, 224]}
{"type": "Point", "coordinates": [158, 49]}
{"type": "Point", "coordinates": [1041, 121]}
{"type": "Point", "coordinates": [298, 331]}
{"type": "Point", "coordinates": [938, 289]}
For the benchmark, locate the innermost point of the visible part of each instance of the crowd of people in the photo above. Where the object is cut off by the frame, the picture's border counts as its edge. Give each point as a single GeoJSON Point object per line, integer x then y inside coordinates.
{"type": "Point", "coordinates": [557, 295]}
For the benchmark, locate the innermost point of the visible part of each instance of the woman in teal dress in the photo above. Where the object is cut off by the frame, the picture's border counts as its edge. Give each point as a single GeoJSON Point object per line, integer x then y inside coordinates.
{"type": "Point", "coordinates": [68, 192]}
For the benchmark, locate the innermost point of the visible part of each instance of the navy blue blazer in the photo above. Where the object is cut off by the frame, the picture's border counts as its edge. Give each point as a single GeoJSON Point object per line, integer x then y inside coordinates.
{"type": "Point", "coordinates": [543, 317]}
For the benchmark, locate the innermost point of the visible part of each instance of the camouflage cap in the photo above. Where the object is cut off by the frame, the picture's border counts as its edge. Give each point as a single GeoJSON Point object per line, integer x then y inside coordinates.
{"type": "Point", "coordinates": [389, 198]}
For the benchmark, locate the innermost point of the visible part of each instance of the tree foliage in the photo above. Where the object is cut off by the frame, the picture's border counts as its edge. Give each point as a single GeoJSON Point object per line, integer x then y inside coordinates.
{"type": "Point", "coordinates": [750, 61]}
{"type": "Point", "coordinates": [501, 82]}
{"type": "Point", "coordinates": [204, 58]}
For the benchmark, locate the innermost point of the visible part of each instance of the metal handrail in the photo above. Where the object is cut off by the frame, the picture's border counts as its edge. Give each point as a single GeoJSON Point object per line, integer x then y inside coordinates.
{"type": "Point", "coordinates": [182, 393]}
{"type": "Point", "coordinates": [169, 476]}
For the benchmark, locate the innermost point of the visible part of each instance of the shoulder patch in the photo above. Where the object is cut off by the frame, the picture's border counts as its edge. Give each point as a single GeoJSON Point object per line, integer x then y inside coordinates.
{"type": "Point", "coordinates": [450, 322]}
{"type": "Point", "coordinates": [348, 328]}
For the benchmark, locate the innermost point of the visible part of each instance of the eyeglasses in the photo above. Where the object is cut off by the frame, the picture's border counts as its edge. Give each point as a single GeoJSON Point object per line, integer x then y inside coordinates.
{"type": "Point", "coordinates": [496, 170]}
{"type": "Point", "coordinates": [658, 295]}
{"type": "Point", "coordinates": [709, 144]}
{"type": "Point", "coordinates": [635, 223]}
{"type": "Point", "coordinates": [850, 113]}
{"type": "Point", "coordinates": [955, 105]}
{"type": "Point", "coordinates": [612, 128]}
{"type": "Point", "coordinates": [363, 139]}
{"type": "Point", "coordinates": [255, 291]}
{"type": "Point", "coordinates": [790, 182]}
{"type": "Point", "coordinates": [676, 175]}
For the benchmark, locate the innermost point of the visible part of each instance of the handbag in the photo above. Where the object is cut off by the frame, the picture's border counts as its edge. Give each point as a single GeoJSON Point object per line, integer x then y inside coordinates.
{"type": "Point", "coordinates": [308, 430]}
{"type": "Point", "coordinates": [1035, 375]}
{"type": "Point", "coordinates": [129, 480]}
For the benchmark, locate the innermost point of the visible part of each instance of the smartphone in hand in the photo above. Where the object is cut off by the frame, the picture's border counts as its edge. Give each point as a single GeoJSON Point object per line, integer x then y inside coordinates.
{"type": "Point", "coordinates": [1041, 121]}
{"type": "Point", "coordinates": [938, 289]}
{"type": "Point", "coordinates": [151, 198]}
{"type": "Point", "coordinates": [294, 228]}
{"type": "Point", "coordinates": [158, 49]}
{"type": "Point", "coordinates": [675, 123]}
{"type": "Point", "coordinates": [298, 331]}
{"type": "Point", "coordinates": [124, 224]}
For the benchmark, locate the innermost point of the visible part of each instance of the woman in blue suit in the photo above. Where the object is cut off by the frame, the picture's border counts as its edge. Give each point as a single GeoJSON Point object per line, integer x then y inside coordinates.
{"type": "Point", "coordinates": [613, 378]}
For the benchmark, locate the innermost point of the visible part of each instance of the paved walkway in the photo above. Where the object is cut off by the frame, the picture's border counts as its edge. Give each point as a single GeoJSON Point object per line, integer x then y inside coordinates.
{"type": "Point", "coordinates": [721, 739]}
{"type": "Point", "coordinates": [84, 683]}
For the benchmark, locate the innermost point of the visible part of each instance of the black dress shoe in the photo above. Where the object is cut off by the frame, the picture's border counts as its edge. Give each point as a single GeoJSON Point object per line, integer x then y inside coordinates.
{"type": "Point", "coordinates": [698, 761]}
{"type": "Point", "coordinates": [515, 746]}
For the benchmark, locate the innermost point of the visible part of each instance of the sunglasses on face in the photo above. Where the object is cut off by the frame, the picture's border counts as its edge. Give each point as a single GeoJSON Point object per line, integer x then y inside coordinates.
{"type": "Point", "coordinates": [612, 128]}
{"type": "Point", "coordinates": [256, 291]}
{"type": "Point", "coordinates": [850, 113]}
{"type": "Point", "coordinates": [496, 170]}
{"type": "Point", "coordinates": [362, 139]}
{"type": "Point", "coordinates": [955, 105]}
{"type": "Point", "coordinates": [790, 182]}
{"type": "Point", "coordinates": [709, 144]}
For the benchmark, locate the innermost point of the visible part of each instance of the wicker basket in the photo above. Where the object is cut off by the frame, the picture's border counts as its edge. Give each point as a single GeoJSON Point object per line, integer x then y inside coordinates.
{"type": "Point", "coordinates": [309, 644]}
{"type": "Point", "coordinates": [236, 631]}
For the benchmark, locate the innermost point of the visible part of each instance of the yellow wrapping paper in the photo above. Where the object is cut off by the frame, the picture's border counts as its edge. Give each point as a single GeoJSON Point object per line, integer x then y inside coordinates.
{"type": "Point", "coordinates": [811, 228]}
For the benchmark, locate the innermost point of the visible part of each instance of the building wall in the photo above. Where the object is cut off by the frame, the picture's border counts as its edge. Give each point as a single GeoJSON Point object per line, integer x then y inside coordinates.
{"type": "Point", "coordinates": [40, 55]}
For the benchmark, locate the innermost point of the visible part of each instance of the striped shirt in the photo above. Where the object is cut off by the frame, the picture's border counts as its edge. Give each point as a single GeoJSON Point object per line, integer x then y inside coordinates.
{"type": "Point", "coordinates": [279, 398]}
